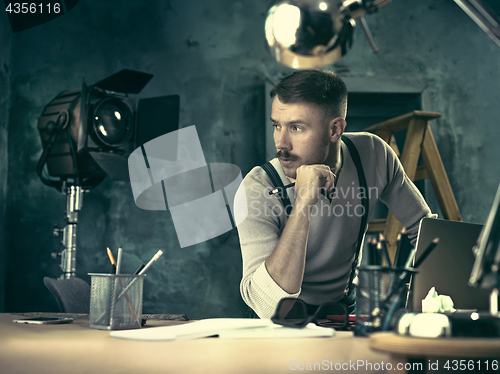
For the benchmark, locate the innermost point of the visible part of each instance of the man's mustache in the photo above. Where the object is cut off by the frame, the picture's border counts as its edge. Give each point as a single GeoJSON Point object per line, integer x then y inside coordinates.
{"type": "Point", "coordinates": [285, 154]}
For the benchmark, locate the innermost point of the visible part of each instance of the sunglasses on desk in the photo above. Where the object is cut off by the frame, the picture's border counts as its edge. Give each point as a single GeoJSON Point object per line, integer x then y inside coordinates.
{"type": "Point", "coordinates": [292, 312]}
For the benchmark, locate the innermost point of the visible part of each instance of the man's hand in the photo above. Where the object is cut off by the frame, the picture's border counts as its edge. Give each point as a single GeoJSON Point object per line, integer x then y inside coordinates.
{"type": "Point", "coordinates": [310, 180]}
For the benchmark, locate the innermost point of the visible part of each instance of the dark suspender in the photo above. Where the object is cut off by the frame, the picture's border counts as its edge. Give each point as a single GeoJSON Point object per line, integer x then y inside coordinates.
{"type": "Point", "coordinates": [283, 195]}
{"type": "Point", "coordinates": [364, 200]}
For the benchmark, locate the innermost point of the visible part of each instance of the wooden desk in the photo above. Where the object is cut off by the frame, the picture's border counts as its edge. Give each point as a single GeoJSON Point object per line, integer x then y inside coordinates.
{"type": "Point", "coordinates": [435, 353]}
{"type": "Point", "coordinates": [75, 348]}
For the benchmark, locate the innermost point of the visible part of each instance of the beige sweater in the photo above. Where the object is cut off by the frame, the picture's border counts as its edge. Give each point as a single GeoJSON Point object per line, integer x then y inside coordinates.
{"type": "Point", "coordinates": [334, 224]}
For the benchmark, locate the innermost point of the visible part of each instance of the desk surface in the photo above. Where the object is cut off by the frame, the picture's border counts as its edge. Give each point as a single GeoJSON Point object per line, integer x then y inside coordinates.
{"type": "Point", "coordinates": [435, 347]}
{"type": "Point", "coordinates": [75, 348]}
{"type": "Point", "coordinates": [456, 354]}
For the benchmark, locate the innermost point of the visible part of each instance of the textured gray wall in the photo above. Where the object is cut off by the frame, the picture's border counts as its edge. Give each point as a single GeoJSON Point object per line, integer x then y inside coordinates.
{"type": "Point", "coordinates": [212, 54]}
{"type": "Point", "coordinates": [5, 36]}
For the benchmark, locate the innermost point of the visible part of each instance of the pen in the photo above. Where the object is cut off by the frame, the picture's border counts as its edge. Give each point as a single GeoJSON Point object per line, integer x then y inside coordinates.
{"type": "Point", "coordinates": [141, 266]}
{"type": "Point", "coordinates": [374, 278]}
{"type": "Point", "coordinates": [402, 281]}
{"type": "Point", "coordinates": [277, 189]}
{"type": "Point", "coordinates": [119, 260]}
{"type": "Point", "coordinates": [426, 252]}
{"type": "Point", "coordinates": [395, 264]}
{"type": "Point", "coordinates": [148, 265]}
{"type": "Point", "coordinates": [410, 259]}
{"type": "Point", "coordinates": [409, 262]}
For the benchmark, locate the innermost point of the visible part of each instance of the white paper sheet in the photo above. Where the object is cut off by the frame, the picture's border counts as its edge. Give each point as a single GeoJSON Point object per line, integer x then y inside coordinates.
{"type": "Point", "coordinates": [225, 328]}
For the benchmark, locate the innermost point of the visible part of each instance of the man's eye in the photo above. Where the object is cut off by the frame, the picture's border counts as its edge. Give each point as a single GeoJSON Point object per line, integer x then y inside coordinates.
{"type": "Point", "coordinates": [296, 128]}
{"type": "Point", "coordinates": [276, 126]}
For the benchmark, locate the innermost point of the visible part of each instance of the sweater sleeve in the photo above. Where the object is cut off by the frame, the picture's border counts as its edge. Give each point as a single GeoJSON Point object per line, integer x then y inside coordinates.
{"type": "Point", "coordinates": [259, 233]}
{"type": "Point", "coordinates": [400, 194]}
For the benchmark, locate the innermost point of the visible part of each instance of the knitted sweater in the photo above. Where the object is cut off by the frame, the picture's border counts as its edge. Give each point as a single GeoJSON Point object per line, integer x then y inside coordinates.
{"type": "Point", "coordinates": [334, 225]}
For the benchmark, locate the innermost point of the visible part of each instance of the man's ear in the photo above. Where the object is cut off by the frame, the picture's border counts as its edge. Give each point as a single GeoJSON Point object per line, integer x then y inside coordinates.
{"type": "Point", "coordinates": [336, 128]}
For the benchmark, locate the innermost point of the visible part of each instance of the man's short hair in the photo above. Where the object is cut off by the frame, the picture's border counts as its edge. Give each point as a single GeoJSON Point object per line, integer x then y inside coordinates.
{"type": "Point", "coordinates": [321, 87]}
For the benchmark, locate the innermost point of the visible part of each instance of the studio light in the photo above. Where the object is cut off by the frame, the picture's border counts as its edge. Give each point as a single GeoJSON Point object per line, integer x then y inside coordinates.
{"type": "Point", "coordinates": [313, 33]}
{"type": "Point", "coordinates": [88, 134]}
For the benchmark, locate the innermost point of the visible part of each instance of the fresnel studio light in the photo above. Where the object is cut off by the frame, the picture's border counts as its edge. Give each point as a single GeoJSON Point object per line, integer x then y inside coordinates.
{"type": "Point", "coordinates": [88, 134]}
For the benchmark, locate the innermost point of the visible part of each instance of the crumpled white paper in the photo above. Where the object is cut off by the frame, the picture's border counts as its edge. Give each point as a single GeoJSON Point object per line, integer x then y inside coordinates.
{"type": "Point", "coordinates": [434, 303]}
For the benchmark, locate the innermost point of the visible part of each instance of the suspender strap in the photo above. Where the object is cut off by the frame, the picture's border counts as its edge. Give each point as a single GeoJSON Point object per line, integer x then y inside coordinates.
{"type": "Point", "coordinates": [364, 200]}
{"type": "Point", "coordinates": [276, 180]}
{"type": "Point", "coordinates": [283, 195]}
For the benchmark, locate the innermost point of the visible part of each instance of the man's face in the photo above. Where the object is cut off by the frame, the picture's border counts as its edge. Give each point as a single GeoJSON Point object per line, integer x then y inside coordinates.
{"type": "Point", "coordinates": [301, 135]}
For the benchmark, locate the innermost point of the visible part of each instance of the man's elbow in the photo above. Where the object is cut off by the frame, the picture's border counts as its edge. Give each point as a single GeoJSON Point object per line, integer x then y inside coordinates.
{"type": "Point", "coordinates": [254, 302]}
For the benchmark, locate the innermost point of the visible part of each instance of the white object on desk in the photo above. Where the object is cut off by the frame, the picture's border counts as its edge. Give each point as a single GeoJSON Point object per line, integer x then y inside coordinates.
{"type": "Point", "coordinates": [434, 303]}
{"type": "Point", "coordinates": [225, 328]}
{"type": "Point", "coordinates": [429, 325]}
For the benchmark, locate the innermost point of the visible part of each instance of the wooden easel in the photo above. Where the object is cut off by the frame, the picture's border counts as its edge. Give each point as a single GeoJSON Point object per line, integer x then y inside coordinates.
{"type": "Point", "coordinates": [419, 141]}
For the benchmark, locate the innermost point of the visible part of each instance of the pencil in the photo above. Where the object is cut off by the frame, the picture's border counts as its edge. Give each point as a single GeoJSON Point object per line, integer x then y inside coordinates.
{"type": "Point", "coordinates": [127, 298]}
{"type": "Point", "coordinates": [111, 257]}
{"type": "Point", "coordinates": [372, 243]}
{"type": "Point", "coordinates": [383, 245]}
{"type": "Point", "coordinates": [426, 252]}
{"type": "Point", "coordinates": [399, 248]}
{"type": "Point", "coordinates": [112, 260]}
{"type": "Point", "coordinates": [378, 252]}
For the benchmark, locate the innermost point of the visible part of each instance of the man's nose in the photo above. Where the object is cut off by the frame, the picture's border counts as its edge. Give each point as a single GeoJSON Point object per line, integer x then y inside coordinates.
{"type": "Point", "coordinates": [282, 140]}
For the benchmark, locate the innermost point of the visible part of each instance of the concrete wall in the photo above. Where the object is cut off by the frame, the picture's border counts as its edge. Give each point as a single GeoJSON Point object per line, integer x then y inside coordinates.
{"type": "Point", "coordinates": [5, 37]}
{"type": "Point", "coordinates": [212, 54]}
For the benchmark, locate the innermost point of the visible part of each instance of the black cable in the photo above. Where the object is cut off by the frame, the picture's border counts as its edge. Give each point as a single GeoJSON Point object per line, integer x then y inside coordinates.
{"type": "Point", "coordinates": [88, 183]}
{"type": "Point", "coordinates": [45, 155]}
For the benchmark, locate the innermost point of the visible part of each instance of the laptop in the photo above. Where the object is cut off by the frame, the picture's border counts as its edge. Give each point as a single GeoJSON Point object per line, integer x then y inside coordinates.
{"type": "Point", "coordinates": [449, 266]}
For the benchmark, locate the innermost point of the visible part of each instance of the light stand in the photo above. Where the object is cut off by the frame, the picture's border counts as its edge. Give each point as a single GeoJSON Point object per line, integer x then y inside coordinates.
{"type": "Point", "coordinates": [74, 171]}
{"type": "Point", "coordinates": [74, 197]}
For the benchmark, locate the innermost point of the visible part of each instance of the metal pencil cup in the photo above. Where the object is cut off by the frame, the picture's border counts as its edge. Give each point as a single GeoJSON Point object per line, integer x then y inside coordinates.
{"type": "Point", "coordinates": [116, 301]}
{"type": "Point", "coordinates": [381, 293]}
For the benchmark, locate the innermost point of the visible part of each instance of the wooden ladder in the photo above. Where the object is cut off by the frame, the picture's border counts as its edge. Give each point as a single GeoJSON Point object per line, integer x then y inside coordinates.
{"type": "Point", "coordinates": [419, 141]}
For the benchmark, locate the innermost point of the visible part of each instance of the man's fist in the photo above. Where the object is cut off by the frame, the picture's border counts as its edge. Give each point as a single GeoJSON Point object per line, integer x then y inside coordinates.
{"type": "Point", "coordinates": [310, 180]}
